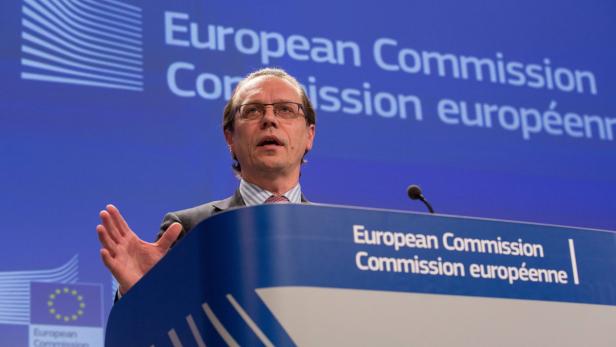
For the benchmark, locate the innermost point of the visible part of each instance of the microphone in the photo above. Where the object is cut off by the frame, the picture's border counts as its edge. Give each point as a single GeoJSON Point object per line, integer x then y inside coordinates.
{"type": "Point", "coordinates": [414, 192]}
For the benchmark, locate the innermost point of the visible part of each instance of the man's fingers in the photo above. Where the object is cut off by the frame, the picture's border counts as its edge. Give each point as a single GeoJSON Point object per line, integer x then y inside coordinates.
{"type": "Point", "coordinates": [108, 260]}
{"type": "Point", "coordinates": [112, 232]}
{"type": "Point", "coordinates": [118, 220]}
{"type": "Point", "coordinates": [105, 239]}
{"type": "Point", "coordinates": [170, 236]}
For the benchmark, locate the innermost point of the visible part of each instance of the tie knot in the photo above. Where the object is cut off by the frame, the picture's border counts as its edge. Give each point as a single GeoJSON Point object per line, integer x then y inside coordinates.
{"type": "Point", "coordinates": [273, 199]}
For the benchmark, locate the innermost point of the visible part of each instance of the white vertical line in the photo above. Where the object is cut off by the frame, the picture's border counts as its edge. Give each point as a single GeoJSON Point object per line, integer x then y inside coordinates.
{"type": "Point", "coordinates": [250, 322]}
{"type": "Point", "coordinates": [195, 331]}
{"type": "Point", "coordinates": [218, 326]}
{"type": "Point", "coordinates": [175, 340]}
{"type": "Point", "coordinates": [576, 279]}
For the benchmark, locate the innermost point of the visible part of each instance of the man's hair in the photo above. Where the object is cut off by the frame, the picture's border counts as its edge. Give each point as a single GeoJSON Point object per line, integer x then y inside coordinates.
{"type": "Point", "coordinates": [228, 116]}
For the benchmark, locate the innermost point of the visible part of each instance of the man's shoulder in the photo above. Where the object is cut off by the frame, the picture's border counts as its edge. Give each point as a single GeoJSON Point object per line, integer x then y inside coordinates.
{"type": "Point", "coordinates": [203, 210]}
{"type": "Point", "coordinates": [190, 217]}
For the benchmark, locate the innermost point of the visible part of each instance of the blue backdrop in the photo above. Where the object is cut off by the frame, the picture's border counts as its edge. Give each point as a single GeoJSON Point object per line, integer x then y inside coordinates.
{"type": "Point", "coordinates": [498, 109]}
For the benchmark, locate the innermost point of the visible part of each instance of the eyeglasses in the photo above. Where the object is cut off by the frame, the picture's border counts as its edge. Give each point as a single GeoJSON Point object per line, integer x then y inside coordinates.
{"type": "Point", "coordinates": [283, 110]}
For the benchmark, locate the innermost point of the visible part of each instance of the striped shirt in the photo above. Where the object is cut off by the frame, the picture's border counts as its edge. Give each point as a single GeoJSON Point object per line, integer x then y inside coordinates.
{"type": "Point", "coordinates": [255, 195]}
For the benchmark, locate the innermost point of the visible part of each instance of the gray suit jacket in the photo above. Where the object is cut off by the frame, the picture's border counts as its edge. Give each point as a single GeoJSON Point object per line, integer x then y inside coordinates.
{"type": "Point", "coordinates": [189, 218]}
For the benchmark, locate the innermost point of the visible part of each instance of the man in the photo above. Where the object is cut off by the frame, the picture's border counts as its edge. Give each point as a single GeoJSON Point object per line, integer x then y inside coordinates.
{"type": "Point", "coordinates": [269, 125]}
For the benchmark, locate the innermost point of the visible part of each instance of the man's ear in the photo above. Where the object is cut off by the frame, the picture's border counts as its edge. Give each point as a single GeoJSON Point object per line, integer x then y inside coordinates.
{"type": "Point", "coordinates": [311, 132]}
{"type": "Point", "coordinates": [229, 138]}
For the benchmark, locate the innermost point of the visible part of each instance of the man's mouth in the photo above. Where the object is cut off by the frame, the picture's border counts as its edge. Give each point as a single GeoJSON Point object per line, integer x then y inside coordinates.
{"type": "Point", "coordinates": [269, 141]}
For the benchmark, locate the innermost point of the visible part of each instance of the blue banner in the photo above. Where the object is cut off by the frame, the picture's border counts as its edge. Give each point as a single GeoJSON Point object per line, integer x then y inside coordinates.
{"type": "Point", "coordinates": [498, 110]}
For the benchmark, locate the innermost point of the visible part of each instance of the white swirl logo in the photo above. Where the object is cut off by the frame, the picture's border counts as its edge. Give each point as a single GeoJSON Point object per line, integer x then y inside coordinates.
{"type": "Point", "coordinates": [83, 42]}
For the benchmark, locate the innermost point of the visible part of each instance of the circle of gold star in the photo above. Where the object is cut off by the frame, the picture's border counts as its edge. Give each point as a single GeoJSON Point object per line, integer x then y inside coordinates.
{"type": "Point", "coordinates": [62, 316]}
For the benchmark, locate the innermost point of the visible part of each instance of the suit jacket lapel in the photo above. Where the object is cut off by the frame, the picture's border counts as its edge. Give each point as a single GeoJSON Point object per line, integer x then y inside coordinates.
{"type": "Point", "coordinates": [235, 200]}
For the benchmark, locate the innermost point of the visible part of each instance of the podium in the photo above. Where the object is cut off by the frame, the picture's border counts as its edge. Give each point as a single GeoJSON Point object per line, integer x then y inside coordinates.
{"type": "Point", "coordinates": [318, 275]}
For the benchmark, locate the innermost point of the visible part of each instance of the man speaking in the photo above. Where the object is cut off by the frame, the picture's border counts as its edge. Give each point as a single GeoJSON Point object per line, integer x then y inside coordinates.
{"type": "Point", "coordinates": [269, 125]}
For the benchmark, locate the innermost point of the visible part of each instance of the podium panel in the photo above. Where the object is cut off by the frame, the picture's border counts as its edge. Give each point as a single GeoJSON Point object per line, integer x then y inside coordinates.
{"type": "Point", "coordinates": [317, 275]}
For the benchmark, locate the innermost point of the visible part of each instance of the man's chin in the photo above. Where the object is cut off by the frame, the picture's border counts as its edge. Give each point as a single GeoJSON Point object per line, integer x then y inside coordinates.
{"type": "Point", "coordinates": [271, 165]}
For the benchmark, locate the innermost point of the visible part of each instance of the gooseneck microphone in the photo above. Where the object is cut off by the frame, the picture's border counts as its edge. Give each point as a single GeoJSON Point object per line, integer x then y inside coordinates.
{"type": "Point", "coordinates": [414, 192]}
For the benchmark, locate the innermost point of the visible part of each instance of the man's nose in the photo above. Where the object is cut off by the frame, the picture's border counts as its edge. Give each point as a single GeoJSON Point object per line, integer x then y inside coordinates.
{"type": "Point", "coordinates": [269, 117]}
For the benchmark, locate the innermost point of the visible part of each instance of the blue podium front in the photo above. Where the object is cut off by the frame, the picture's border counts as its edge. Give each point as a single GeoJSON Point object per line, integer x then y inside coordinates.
{"type": "Point", "coordinates": [316, 275]}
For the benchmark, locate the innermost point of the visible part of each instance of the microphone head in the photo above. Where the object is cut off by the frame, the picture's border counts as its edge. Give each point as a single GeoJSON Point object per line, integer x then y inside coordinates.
{"type": "Point", "coordinates": [414, 192]}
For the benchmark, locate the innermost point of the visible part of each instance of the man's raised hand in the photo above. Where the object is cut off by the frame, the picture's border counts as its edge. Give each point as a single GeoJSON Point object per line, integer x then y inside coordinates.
{"type": "Point", "coordinates": [124, 253]}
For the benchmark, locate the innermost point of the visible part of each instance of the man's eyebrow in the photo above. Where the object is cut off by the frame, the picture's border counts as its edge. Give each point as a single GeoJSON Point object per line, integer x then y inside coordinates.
{"type": "Point", "coordinates": [284, 100]}
{"type": "Point", "coordinates": [258, 101]}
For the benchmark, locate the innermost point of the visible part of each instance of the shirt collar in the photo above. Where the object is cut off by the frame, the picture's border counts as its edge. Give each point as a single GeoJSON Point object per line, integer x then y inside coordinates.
{"type": "Point", "coordinates": [255, 195]}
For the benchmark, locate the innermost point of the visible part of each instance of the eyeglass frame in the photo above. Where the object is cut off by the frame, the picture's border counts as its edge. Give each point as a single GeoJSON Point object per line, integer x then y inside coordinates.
{"type": "Point", "coordinates": [300, 107]}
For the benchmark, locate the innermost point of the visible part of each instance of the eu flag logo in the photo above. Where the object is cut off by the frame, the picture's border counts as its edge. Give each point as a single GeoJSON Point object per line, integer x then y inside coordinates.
{"type": "Point", "coordinates": [65, 304]}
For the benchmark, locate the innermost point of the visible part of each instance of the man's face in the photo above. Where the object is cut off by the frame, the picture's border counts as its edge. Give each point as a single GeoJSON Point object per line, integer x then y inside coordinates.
{"type": "Point", "coordinates": [269, 145]}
